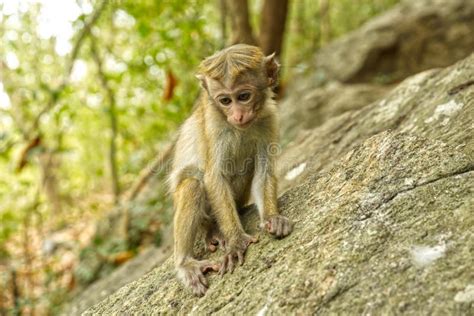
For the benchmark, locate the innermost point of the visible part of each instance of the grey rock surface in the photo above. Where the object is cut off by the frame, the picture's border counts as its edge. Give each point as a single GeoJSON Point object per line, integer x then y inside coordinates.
{"type": "Point", "coordinates": [125, 274]}
{"type": "Point", "coordinates": [313, 105]}
{"type": "Point", "coordinates": [322, 123]}
{"type": "Point", "coordinates": [412, 37]}
{"type": "Point", "coordinates": [129, 272]}
{"type": "Point", "coordinates": [383, 201]}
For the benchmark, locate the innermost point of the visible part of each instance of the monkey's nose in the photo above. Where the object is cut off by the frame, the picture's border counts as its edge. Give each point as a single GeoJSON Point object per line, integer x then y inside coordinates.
{"type": "Point", "coordinates": [238, 117]}
{"type": "Point", "coordinates": [241, 119]}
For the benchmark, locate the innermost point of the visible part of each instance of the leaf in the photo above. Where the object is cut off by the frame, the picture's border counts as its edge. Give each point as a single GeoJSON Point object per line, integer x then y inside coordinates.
{"type": "Point", "coordinates": [143, 29]}
{"type": "Point", "coordinates": [170, 85]}
{"type": "Point", "coordinates": [122, 257]}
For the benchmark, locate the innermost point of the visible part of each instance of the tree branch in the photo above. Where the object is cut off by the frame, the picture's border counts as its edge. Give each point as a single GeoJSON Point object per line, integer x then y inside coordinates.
{"type": "Point", "coordinates": [147, 173]}
{"type": "Point", "coordinates": [113, 121]}
{"type": "Point", "coordinates": [272, 25]}
{"type": "Point", "coordinates": [241, 28]}
{"type": "Point", "coordinates": [54, 93]}
{"type": "Point", "coordinates": [223, 17]}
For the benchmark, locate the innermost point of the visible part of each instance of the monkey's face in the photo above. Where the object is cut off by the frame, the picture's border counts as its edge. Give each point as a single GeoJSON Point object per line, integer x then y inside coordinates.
{"type": "Point", "coordinates": [238, 80]}
{"type": "Point", "coordinates": [240, 102]}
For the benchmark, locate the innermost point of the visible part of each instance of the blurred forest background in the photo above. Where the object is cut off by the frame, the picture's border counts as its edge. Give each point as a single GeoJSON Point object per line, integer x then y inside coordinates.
{"type": "Point", "coordinates": [91, 93]}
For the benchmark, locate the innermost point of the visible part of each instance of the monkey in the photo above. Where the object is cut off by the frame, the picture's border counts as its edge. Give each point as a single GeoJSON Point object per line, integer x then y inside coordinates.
{"type": "Point", "coordinates": [223, 157]}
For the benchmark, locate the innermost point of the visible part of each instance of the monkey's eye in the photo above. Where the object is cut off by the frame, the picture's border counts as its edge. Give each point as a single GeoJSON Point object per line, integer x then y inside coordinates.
{"type": "Point", "coordinates": [244, 96]}
{"type": "Point", "coordinates": [225, 100]}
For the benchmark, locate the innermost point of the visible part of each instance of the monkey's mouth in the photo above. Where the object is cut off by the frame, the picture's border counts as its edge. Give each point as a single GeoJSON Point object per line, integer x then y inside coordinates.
{"type": "Point", "coordinates": [244, 125]}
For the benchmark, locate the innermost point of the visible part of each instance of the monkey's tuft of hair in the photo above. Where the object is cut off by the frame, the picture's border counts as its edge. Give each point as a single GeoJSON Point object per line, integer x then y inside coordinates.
{"type": "Point", "coordinates": [232, 61]}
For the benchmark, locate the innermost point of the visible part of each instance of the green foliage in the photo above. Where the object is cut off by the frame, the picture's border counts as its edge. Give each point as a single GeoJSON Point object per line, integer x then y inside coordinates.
{"type": "Point", "coordinates": [312, 24]}
{"type": "Point", "coordinates": [95, 259]}
{"type": "Point", "coordinates": [140, 44]}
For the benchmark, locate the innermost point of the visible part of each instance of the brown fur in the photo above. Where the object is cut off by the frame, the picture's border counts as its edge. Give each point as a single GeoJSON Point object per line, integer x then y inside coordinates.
{"type": "Point", "coordinates": [223, 158]}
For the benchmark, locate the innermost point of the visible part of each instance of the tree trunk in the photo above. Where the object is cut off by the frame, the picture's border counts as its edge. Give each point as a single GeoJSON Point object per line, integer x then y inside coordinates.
{"type": "Point", "coordinates": [272, 25]}
{"type": "Point", "coordinates": [325, 21]}
{"type": "Point", "coordinates": [223, 11]}
{"type": "Point", "coordinates": [15, 293]}
{"type": "Point", "coordinates": [113, 149]}
{"type": "Point", "coordinates": [49, 164]}
{"type": "Point", "coordinates": [113, 123]}
{"type": "Point", "coordinates": [241, 29]}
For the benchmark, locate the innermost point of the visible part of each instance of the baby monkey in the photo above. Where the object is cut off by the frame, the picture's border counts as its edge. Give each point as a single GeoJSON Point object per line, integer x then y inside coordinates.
{"type": "Point", "coordinates": [223, 157]}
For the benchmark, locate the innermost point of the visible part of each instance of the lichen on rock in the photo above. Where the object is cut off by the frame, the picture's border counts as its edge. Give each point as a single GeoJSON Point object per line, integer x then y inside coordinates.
{"type": "Point", "coordinates": [370, 193]}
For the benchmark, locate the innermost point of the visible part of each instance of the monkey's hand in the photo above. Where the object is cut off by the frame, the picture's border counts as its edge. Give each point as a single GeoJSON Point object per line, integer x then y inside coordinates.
{"type": "Point", "coordinates": [236, 252]}
{"type": "Point", "coordinates": [278, 225]}
{"type": "Point", "coordinates": [191, 273]}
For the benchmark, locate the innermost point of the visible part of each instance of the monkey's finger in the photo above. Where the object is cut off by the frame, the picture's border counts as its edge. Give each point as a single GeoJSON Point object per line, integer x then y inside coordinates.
{"type": "Point", "coordinates": [272, 226]}
{"type": "Point", "coordinates": [215, 267]}
{"type": "Point", "coordinates": [208, 266]}
{"type": "Point", "coordinates": [199, 289]}
{"type": "Point", "coordinates": [280, 228]}
{"type": "Point", "coordinates": [203, 280]}
{"type": "Point", "coordinates": [285, 229]}
{"type": "Point", "coordinates": [231, 265]}
{"type": "Point", "coordinates": [223, 245]}
{"type": "Point", "coordinates": [268, 226]}
{"type": "Point", "coordinates": [284, 226]}
{"type": "Point", "coordinates": [240, 255]}
{"type": "Point", "coordinates": [195, 282]}
{"type": "Point", "coordinates": [223, 269]}
{"type": "Point", "coordinates": [288, 228]}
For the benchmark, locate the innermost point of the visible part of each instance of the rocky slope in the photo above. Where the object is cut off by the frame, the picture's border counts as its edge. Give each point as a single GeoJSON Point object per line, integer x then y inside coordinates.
{"type": "Point", "coordinates": [364, 65]}
{"type": "Point", "coordinates": [383, 200]}
{"type": "Point", "coordinates": [412, 37]}
{"type": "Point", "coordinates": [379, 181]}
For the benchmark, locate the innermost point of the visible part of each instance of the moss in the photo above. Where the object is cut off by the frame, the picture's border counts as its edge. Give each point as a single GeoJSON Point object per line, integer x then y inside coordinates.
{"type": "Point", "coordinates": [336, 261]}
{"type": "Point", "coordinates": [379, 182]}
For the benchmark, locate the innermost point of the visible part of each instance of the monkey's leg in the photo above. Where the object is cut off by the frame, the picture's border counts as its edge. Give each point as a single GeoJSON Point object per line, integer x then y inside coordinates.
{"type": "Point", "coordinates": [189, 200]}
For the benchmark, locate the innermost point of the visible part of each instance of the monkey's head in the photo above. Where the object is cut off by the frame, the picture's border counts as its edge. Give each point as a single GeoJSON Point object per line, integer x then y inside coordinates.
{"type": "Point", "coordinates": [238, 81]}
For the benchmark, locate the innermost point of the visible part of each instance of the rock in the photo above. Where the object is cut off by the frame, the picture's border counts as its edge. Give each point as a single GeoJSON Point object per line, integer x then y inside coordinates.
{"type": "Point", "coordinates": [321, 123]}
{"type": "Point", "coordinates": [365, 189]}
{"type": "Point", "coordinates": [412, 37]}
{"type": "Point", "coordinates": [315, 104]}
{"type": "Point", "coordinates": [422, 105]}
{"type": "Point", "coordinates": [149, 218]}
{"type": "Point", "coordinates": [129, 272]}
{"type": "Point", "coordinates": [466, 296]}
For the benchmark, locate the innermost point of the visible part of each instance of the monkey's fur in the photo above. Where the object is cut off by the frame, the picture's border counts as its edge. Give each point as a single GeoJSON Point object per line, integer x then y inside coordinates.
{"type": "Point", "coordinates": [223, 156]}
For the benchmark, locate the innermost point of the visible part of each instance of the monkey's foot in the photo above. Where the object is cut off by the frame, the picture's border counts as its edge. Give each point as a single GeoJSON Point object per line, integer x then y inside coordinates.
{"type": "Point", "coordinates": [192, 272]}
{"type": "Point", "coordinates": [278, 225]}
{"type": "Point", "coordinates": [236, 253]}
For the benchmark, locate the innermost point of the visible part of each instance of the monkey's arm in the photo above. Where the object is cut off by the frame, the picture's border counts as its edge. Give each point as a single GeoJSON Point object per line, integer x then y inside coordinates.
{"type": "Point", "coordinates": [264, 192]}
{"type": "Point", "coordinates": [224, 209]}
{"type": "Point", "coordinates": [223, 205]}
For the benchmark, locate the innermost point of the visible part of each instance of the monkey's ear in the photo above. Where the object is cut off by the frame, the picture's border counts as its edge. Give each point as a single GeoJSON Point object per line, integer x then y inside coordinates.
{"type": "Point", "coordinates": [202, 80]}
{"type": "Point", "coordinates": [272, 67]}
